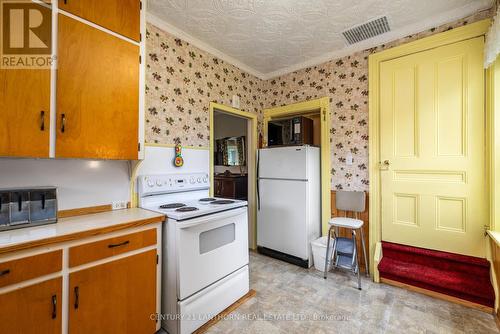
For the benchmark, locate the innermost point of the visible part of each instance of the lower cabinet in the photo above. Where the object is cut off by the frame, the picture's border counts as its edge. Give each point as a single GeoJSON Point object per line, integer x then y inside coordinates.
{"type": "Point", "coordinates": [114, 297]}
{"type": "Point", "coordinates": [32, 309]}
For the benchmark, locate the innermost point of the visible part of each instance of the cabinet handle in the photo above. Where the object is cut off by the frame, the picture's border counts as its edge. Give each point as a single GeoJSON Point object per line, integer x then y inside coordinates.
{"type": "Point", "coordinates": [77, 297]}
{"type": "Point", "coordinates": [63, 122]}
{"type": "Point", "coordinates": [54, 306]}
{"type": "Point", "coordinates": [126, 242]}
{"type": "Point", "coordinates": [42, 120]}
{"type": "Point", "coordinates": [4, 272]}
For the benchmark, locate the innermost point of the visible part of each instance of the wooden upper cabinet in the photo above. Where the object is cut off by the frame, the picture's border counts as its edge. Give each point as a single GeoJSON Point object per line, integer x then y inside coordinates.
{"type": "Point", "coordinates": [33, 309]}
{"type": "Point", "coordinates": [115, 297]}
{"type": "Point", "coordinates": [25, 108]}
{"type": "Point", "coordinates": [97, 93]}
{"type": "Point", "coordinates": [120, 16]}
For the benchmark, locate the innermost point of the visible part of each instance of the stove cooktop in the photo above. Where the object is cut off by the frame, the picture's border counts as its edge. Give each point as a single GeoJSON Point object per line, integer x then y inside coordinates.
{"type": "Point", "coordinates": [185, 209]}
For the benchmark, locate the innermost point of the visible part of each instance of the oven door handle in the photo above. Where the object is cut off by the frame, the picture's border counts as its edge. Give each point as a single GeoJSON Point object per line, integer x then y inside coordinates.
{"type": "Point", "coordinates": [187, 224]}
{"type": "Point", "coordinates": [258, 181]}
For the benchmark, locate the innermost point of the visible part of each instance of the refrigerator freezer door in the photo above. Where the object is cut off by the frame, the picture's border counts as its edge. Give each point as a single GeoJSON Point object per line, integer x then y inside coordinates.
{"type": "Point", "coordinates": [281, 220]}
{"type": "Point", "coordinates": [283, 162]}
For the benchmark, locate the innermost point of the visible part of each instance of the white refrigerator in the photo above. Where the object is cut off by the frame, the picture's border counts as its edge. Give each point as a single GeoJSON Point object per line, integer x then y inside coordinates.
{"type": "Point", "coordinates": [288, 202]}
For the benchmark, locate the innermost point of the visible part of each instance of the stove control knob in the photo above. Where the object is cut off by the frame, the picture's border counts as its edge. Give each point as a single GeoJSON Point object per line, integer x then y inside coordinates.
{"type": "Point", "coordinates": [158, 183]}
{"type": "Point", "coordinates": [199, 180]}
{"type": "Point", "coordinates": [205, 179]}
{"type": "Point", "coordinates": [150, 183]}
{"type": "Point", "coordinates": [192, 180]}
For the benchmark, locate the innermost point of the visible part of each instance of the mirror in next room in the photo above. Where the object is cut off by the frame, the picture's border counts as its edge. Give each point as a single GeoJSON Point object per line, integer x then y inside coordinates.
{"type": "Point", "coordinates": [230, 151]}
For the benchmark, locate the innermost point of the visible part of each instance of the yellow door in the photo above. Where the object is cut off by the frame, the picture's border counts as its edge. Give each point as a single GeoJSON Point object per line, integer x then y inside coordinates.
{"type": "Point", "coordinates": [432, 118]}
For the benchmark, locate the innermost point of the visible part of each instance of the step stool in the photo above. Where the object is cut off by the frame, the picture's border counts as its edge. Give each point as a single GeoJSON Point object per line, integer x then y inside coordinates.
{"type": "Point", "coordinates": [345, 253]}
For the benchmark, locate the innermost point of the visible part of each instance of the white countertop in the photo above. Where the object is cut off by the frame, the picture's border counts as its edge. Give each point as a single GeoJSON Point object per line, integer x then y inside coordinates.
{"type": "Point", "coordinates": [76, 227]}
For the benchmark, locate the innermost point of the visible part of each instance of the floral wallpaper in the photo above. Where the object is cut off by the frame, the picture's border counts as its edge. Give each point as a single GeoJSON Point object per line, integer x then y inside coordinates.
{"type": "Point", "coordinates": [345, 81]}
{"type": "Point", "coordinates": [181, 80]}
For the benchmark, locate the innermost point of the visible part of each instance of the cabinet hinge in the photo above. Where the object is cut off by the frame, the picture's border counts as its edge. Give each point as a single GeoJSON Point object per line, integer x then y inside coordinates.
{"type": "Point", "coordinates": [140, 37]}
{"type": "Point", "coordinates": [157, 258]}
{"type": "Point", "coordinates": [140, 5]}
{"type": "Point", "coordinates": [140, 60]}
{"type": "Point", "coordinates": [138, 146]}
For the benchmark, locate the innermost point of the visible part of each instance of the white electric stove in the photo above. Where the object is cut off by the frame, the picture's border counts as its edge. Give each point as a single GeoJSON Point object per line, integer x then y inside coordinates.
{"type": "Point", "coordinates": [205, 248]}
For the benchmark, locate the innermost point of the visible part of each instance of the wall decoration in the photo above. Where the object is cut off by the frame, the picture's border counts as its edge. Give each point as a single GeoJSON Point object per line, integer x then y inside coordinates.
{"type": "Point", "coordinates": [178, 160]}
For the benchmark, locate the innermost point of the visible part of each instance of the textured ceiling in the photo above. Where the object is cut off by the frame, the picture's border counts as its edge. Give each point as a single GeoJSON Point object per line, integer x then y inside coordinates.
{"type": "Point", "coordinates": [269, 36]}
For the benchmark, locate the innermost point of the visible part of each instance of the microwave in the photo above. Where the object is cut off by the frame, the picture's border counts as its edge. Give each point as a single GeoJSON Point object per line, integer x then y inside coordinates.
{"type": "Point", "coordinates": [293, 131]}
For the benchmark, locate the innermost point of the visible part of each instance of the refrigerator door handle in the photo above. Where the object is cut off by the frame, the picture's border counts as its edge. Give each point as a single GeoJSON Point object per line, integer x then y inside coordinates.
{"type": "Point", "coordinates": [258, 181]}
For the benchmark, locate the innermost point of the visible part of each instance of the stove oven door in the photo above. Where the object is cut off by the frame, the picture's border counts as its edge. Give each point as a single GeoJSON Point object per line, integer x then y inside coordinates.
{"type": "Point", "coordinates": [210, 248]}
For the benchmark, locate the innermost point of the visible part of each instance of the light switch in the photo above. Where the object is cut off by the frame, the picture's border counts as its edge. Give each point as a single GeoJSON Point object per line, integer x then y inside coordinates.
{"type": "Point", "coordinates": [235, 103]}
{"type": "Point", "coordinates": [349, 159]}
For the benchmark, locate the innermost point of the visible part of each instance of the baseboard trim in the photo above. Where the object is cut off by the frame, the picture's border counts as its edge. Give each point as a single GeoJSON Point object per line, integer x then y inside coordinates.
{"type": "Point", "coordinates": [437, 295]}
{"type": "Point", "coordinates": [250, 294]}
{"type": "Point", "coordinates": [283, 257]}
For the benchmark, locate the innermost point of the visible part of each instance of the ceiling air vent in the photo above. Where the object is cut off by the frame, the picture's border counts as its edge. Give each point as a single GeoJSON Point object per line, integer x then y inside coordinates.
{"type": "Point", "coordinates": [366, 30]}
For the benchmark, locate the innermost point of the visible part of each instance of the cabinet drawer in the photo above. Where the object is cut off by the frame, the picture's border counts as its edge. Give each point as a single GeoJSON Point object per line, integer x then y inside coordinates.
{"type": "Point", "coordinates": [102, 249]}
{"type": "Point", "coordinates": [29, 267]}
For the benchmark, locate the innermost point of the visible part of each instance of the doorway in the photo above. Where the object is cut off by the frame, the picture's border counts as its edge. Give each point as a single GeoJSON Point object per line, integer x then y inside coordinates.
{"type": "Point", "coordinates": [318, 111]}
{"type": "Point", "coordinates": [233, 148]}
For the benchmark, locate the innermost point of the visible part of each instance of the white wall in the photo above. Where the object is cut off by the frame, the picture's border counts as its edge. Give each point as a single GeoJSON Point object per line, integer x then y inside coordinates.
{"type": "Point", "coordinates": [160, 160]}
{"type": "Point", "coordinates": [229, 126]}
{"type": "Point", "coordinates": [80, 183]}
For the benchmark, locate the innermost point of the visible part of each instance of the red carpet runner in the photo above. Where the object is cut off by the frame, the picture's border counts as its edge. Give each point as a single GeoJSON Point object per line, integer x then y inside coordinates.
{"type": "Point", "coordinates": [460, 276]}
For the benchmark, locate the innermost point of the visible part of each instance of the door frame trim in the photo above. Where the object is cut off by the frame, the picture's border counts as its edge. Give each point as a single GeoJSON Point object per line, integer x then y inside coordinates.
{"type": "Point", "coordinates": [323, 106]}
{"type": "Point", "coordinates": [251, 164]}
{"type": "Point", "coordinates": [374, 61]}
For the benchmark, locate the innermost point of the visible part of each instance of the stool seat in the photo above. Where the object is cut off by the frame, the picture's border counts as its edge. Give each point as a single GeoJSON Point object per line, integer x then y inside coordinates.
{"type": "Point", "coordinates": [345, 222]}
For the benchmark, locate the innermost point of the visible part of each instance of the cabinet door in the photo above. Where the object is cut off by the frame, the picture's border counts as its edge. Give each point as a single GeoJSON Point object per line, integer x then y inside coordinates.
{"type": "Point", "coordinates": [25, 107]}
{"type": "Point", "coordinates": [120, 16]}
{"type": "Point", "coordinates": [115, 297]}
{"type": "Point", "coordinates": [227, 189]}
{"type": "Point", "coordinates": [97, 94]}
{"type": "Point", "coordinates": [33, 309]}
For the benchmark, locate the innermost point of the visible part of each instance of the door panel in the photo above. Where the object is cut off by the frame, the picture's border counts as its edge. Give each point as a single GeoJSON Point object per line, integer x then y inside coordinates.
{"type": "Point", "coordinates": [33, 309]}
{"type": "Point", "coordinates": [25, 108]}
{"type": "Point", "coordinates": [432, 134]}
{"type": "Point", "coordinates": [124, 21]}
{"type": "Point", "coordinates": [282, 217]}
{"type": "Point", "coordinates": [115, 297]}
{"type": "Point", "coordinates": [97, 94]}
{"type": "Point", "coordinates": [283, 162]}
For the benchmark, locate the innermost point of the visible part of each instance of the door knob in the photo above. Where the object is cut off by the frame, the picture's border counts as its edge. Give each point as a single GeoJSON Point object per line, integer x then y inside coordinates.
{"type": "Point", "coordinates": [384, 165]}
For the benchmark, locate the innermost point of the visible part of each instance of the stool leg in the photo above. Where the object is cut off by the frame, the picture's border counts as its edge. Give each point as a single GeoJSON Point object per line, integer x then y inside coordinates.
{"type": "Point", "coordinates": [327, 258]}
{"type": "Point", "coordinates": [355, 255]}
{"type": "Point", "coordinates": [364, 252]}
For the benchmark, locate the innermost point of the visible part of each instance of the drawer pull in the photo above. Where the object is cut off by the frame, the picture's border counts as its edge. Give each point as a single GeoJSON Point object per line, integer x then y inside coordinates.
{"type": "Point", "coordinates": [77, 297]}
{"type": "Point", "coordinates": [126, 242]}
{"type": "Point", "coordinates": [54, 306]}
{"type": "Point", "coordinates": [4, 272]}
{"type": "Point", "coordinates": [42, 120]}
{"type": "Point", "coordinates": [63, 123]}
